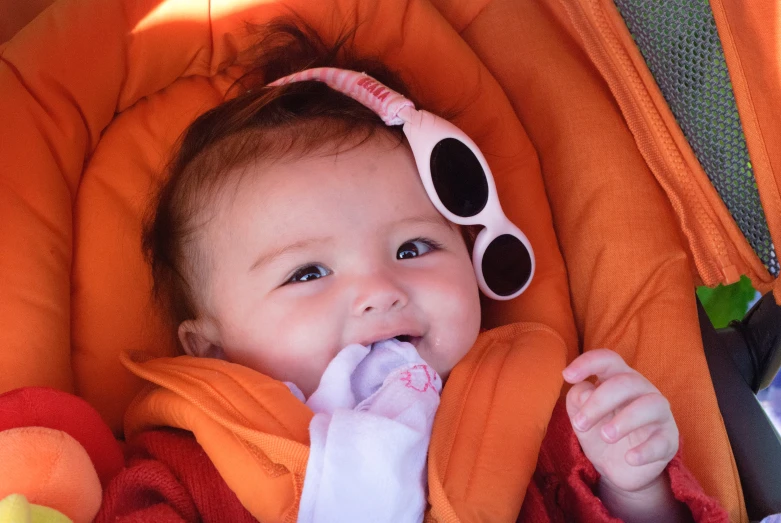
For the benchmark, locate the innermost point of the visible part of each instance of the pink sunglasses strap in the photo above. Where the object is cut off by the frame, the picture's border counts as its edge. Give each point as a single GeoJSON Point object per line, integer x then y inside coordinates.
{"type": "Point", "coordinates": [359, 86]}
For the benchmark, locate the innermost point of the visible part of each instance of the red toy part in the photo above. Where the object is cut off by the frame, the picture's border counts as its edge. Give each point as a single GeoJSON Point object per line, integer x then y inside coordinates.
{"type": "Point", "coordinates": [51, 408]}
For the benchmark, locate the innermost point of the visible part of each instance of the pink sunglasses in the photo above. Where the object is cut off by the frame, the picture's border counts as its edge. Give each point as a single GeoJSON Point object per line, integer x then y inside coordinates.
{"type": "Point", "coordinates": [454, 174]}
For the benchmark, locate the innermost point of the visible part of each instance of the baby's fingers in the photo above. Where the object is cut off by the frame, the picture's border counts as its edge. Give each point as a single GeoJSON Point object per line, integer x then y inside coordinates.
{"type": "Point", "coordinates": [577, 396]}
{"type": "Point", "coordinates": [652, 408]}
{"type": "Point", "coordinates": [659, 447]}
{"type": "Point", "coordinates": [610, 396]}
{"type": "Point", "coordinates": [602, 363]}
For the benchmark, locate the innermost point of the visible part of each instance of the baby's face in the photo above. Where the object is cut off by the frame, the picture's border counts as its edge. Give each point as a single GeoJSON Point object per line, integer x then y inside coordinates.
{"type": "Point", "coordinates": [308, 256]}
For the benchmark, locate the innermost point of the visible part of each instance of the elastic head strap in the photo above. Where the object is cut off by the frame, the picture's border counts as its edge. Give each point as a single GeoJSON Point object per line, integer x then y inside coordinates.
{"type": "Point", "coordinates": [359, 86]}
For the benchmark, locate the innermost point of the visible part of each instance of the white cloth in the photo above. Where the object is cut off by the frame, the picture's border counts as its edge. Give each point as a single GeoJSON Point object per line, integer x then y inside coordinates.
{"type": "Point", "coordinates": [374, 409]}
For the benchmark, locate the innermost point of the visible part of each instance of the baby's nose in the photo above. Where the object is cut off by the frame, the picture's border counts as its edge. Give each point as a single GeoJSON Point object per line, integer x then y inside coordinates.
{"type": "Point", "coordinates": [379, 294]}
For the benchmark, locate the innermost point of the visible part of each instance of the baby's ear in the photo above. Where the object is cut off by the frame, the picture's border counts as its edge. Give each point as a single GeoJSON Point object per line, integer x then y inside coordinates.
{"type": "Point", "coordinates": [200, 339]}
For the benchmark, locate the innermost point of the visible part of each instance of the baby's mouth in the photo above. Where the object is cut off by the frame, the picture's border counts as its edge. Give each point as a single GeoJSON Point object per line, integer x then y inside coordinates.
{"type": "Point", "coordinates": [413, 337]}
{"type": "Point", "coordinates": [407, 338]}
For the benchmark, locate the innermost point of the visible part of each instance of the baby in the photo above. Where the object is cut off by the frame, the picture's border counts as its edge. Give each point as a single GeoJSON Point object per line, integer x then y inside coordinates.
{"type": "Point", "coordinates": [295, 223]}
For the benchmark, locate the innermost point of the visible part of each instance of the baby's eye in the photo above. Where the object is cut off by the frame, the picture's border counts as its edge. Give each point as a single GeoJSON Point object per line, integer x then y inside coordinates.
{"type": "Point", "coordinates": [415, 248]}
{"type": "Point", "coordinates": [308, 273]}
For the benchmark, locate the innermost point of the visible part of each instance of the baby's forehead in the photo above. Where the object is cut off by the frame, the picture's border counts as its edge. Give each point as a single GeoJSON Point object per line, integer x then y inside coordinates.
{"type": "Point", "coordinates": [257, 164]}
{"type": "Point", "coordinates": [372, 185]}
{"type": "Point", "coordinates": [378, 162]}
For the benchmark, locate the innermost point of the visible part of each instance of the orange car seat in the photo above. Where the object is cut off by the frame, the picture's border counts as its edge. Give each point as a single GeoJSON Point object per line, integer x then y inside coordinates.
{"type": "Point", "coordinates": [93, 94]}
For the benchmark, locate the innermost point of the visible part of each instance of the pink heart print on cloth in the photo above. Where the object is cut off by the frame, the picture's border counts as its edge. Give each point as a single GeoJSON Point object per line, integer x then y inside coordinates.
{"type": "Point", "coordinates": [419, 378]}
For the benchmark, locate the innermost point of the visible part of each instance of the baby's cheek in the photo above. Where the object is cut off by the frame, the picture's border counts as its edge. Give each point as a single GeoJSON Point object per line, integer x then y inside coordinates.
{"type": "Point", "coordinates": [280, 347]}
{"type": "Point", "coordinates": [459, 317]}
{"type": "Point", "coordinates": [465, 300]}
{"type": "Point", "coordinates": [304, 344]}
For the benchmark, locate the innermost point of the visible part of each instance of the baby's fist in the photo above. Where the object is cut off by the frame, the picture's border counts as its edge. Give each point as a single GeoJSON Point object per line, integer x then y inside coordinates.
{"type": "Point", "coordinates": [624, 424]}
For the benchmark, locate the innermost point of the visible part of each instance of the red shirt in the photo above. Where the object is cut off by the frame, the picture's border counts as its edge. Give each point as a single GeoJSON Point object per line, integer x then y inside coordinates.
{"type": "Point", "coordinates": [169, 478]}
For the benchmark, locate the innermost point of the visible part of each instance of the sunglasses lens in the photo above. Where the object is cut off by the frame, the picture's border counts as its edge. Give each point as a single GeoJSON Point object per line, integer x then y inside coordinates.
{"type": "Point", "coordinates": [458, 178]}
{"type": "Point", "coordinates": [507, 265]}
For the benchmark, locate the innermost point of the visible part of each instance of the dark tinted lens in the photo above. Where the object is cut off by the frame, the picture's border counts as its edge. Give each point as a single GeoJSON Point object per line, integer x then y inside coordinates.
{"type": "Point", "coordinates": [507, 265]}
{"type": "Point", "coordinates": [458, 178]}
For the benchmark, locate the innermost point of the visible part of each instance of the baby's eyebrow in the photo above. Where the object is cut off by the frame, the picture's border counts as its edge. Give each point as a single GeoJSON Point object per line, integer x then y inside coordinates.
{"type": "Point", "coordinates": [276, 252]}
{"type": "Point", "coordinates": [434, 219]}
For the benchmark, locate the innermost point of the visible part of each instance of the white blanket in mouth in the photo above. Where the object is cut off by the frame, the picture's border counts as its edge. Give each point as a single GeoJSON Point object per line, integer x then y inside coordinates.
{"type": "Point", "coordinates": [374, 409]}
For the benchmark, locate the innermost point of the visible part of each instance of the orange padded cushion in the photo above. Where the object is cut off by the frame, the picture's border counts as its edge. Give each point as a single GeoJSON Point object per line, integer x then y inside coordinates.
{"type": "Point", "coordinates": [630, 276]}
{"type": "Point", "coordinates": [95, 93]}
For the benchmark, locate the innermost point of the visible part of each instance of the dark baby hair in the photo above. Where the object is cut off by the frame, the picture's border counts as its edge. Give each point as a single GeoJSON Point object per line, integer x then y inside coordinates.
{"type": "Point", "coordinates": [255, 122]}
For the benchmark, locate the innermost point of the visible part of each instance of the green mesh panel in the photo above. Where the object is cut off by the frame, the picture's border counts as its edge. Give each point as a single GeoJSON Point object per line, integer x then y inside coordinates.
{"type": "Point", "coordinates": [681, 46]}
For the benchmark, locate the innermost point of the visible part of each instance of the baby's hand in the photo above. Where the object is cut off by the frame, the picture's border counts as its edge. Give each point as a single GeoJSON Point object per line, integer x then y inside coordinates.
{"type": "Point", "coordinates": [624, 424]}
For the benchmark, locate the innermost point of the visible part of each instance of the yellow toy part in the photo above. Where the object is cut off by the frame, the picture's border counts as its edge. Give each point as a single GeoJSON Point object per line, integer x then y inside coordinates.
{"type": "Point", "coordinates": [16, 509]}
